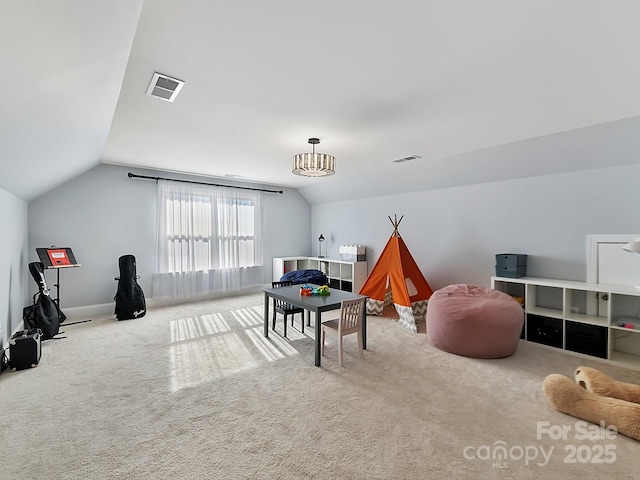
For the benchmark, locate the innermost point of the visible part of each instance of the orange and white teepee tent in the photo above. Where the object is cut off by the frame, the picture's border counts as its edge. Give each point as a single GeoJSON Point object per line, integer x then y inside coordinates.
{"type": "Point", "coordinates": [396, 278]}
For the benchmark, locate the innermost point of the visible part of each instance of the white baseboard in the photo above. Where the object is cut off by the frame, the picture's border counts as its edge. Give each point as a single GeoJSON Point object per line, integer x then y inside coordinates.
{"type": "Point", "coordinates": [89, 311]}
{"type": "Point", "coordinates": [86, 312]}
{"type": "Point", "coordinates": [107, 309]}
{"type": "Point", "coordinates": [165, 301]}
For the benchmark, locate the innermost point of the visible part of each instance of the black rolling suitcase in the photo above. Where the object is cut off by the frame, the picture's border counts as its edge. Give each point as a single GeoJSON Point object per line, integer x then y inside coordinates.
{"type": "Point", "coordinates": [25, 349]}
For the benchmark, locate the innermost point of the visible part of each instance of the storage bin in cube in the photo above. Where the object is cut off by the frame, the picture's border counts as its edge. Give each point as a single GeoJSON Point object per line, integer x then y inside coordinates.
{"type": "Point", "coordinates": [544, 330]}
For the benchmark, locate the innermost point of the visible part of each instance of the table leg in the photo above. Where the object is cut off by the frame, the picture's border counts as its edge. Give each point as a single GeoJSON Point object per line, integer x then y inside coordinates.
{"type": "Point", "coordinates": [266, 315]}
{"type": "Point", "coordinates": [364, 330]}
{"type": "Point", "coordinates": [317, 338]}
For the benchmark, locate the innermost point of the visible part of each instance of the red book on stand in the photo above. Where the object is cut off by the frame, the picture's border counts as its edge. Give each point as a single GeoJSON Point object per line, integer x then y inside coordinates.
{"type": "Point", "coordinates": [58, 257]}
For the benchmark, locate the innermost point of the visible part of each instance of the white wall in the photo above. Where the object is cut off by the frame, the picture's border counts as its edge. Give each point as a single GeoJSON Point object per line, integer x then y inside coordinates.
{"type": "Point", "coordinates": [13, 267]}
{"type": "Point", "coordinates": [103, 214]}
{"type": "Point", "coordinates": [455, 233]}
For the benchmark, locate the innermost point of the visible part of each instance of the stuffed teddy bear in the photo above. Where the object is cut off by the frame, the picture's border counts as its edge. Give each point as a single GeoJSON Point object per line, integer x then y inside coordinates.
{"type": "Point", "coordinates": [597, 382]}
{"type": "Point", "coordinates": [596, 397]}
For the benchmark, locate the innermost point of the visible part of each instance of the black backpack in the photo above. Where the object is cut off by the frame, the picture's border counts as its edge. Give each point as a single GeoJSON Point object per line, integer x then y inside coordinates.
{"type": "Point", "coordinates": [130, 302]}
{"type": "Point", "coordinates": [44, 313]}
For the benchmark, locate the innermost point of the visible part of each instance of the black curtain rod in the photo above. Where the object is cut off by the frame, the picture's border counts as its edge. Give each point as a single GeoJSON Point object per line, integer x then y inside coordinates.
{"type": "Point", "coordinates": [133, 175]}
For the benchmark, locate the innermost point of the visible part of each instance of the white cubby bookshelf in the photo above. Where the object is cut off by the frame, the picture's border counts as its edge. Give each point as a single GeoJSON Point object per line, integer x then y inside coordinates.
{"type": "Point", "coordinates": [579, 317]}
{"type": "Point", "coordinates": [342, 274]}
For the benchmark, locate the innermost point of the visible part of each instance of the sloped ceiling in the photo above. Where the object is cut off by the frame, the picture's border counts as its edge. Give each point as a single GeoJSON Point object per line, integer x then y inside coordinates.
{"type": "Point", "coordinates": [374, 80]}
{"type": "Point", "coordinates": [62, 66]}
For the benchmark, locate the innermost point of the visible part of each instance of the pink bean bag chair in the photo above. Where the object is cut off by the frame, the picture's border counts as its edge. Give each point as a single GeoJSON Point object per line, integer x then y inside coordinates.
{"type": "Point", "coordinates": [474, 321]}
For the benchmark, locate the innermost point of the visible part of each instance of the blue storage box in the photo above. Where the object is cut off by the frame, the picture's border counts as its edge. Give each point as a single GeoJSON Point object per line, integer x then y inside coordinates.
{"type": "Point", "coordinates": [511, 265]}
{"type": "Point", "coordinates": [511, 272]}
{"type": "Point", "coordinates": [510, 260]}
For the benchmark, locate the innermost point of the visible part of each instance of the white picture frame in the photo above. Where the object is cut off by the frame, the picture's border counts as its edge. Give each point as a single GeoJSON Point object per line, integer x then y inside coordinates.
{"type": "Point", "coordinates": [608, 263]}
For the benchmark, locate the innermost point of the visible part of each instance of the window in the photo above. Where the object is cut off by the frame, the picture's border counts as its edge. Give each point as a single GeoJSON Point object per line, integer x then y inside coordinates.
{"type": "Point", "coordinates": [206, 231]}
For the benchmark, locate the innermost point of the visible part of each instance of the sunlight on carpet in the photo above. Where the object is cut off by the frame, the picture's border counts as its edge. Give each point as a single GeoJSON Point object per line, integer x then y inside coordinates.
{"type": "Point", "coordinates": [198, 391]}
{"type": "Point", "coordinates": [248, 317]}
{"type": "Point", "coordinates": [220, 344]}
{"type": "Point", "coordinates": [194, 327]}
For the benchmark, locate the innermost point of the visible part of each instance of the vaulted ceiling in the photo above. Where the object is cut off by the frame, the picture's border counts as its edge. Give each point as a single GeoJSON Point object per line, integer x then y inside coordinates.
{"type": "Point", "coordinates": [375, 80]}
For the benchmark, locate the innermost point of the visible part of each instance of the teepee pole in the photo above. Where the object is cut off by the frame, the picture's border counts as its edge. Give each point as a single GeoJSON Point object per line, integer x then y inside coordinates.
{"type": "Point", "coordinates": [395, 222]}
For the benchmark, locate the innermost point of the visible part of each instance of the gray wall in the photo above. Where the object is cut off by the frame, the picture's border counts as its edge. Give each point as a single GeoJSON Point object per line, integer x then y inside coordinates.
{"type": "Point", "coordinates": [103, 214]}
{"type": "Point", "coordinates": [611, 144]}
{"type": "Point", "coordinates": [13, 267]}
{"type": "Point", "coordinates": [455, 233]}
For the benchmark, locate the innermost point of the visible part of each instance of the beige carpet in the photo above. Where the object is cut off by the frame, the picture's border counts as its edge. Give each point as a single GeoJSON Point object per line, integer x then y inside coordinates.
{"type": "Point", "coordinates": [196, 391]}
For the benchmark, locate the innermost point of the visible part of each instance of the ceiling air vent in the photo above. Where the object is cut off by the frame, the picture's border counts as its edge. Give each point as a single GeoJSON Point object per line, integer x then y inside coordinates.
{"type": "Point", "coordinates": [407, 159]}
{"type": "Point", "coordinates": [164, 87]}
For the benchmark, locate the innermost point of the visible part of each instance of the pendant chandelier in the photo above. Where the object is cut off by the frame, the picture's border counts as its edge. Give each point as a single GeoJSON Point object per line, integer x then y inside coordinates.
{"type": "Point", "coordinates": [313, 164]}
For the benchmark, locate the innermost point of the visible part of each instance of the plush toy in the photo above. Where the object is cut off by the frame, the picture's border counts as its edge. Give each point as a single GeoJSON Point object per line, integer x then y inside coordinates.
{"type": "Point", "coordinates": [597, 382]}
{"type": "Point", "coordinates": [593, 398]}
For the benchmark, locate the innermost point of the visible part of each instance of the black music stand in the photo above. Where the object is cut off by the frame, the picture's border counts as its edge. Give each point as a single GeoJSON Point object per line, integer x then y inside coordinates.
{"type": "Point", "coordinates": [58, 258]}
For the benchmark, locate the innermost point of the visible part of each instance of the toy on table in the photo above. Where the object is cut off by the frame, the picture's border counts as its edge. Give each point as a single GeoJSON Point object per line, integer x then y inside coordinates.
{"type": "Point", "coordinates": [308, 290]}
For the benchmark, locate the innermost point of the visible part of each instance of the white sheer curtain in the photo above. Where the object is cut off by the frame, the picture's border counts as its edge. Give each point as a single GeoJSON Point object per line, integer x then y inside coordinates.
{"type": "Point", "coordinates": [209, 240]}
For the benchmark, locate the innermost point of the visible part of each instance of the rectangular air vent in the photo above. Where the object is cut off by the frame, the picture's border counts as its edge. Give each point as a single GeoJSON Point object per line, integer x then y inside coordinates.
{"type": "Point", "coordinates": [164, 87]}
{"type": "Point", "coordinates": [407, 159]}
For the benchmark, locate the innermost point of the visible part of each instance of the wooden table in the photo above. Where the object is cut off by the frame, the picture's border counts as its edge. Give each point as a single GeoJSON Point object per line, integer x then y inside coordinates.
{"type": "Point", "coordinates": [312, 303]}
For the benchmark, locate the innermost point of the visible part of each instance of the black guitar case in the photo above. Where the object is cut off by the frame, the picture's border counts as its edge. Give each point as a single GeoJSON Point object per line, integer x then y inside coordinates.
{"type": "Point", "coordinates": [44, 313]}
{"type": "Point", "coordinates": [130, 302]}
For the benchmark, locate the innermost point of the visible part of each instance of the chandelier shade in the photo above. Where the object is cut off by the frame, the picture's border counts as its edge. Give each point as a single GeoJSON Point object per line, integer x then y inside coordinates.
{"type": "Point", "coordinates": [314, 164]}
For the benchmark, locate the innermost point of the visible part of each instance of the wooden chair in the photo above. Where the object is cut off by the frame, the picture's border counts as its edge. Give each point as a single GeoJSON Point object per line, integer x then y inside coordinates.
{"type": "Point", "coordinates": [285, 309]}
{"type": "Point", "coordinates": [350, 321]}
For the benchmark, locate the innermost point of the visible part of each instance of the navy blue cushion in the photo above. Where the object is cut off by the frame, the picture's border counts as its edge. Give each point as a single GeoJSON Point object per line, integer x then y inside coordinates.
{"type": "Point", "coordinates": [305, 276]}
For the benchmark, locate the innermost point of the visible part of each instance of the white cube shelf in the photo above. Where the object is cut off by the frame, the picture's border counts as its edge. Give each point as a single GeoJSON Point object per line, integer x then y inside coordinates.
{"type": "Point", "coordinates": [583, 318]}
{"type": "Point", "coordinates": [342, 274]}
